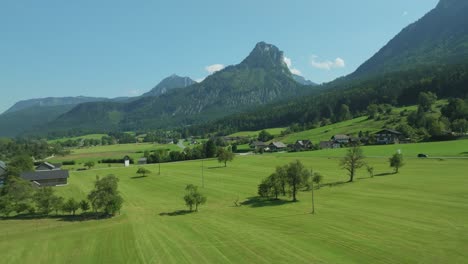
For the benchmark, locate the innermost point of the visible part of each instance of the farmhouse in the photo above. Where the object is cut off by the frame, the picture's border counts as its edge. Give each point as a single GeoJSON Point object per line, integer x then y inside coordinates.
{"type": "Point", "coordinates": [342, 139]}
{"type": "Point", "coordinates": [328, 145]}
{"type": "Point", "coordinates": [388, 136]}
{"type": "Point", "coordinates": [258, 145]}
{"type": "Point", "coordinates": [302, 145]}
{"type": "Point", "coordinates": [46, 177]}
{"type": "Point", "coordinates": [277, 146]}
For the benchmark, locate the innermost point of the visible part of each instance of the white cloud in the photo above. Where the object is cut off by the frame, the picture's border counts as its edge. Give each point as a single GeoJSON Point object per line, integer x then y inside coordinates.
{"type": "Point", "coordinates": [327, 65]}
{"type": "Point", "coordinates": [291, 68]}
{"type": "Point", "coordinates": [214, 68]}
{"type": "Point", "coordinates": [134, 92]}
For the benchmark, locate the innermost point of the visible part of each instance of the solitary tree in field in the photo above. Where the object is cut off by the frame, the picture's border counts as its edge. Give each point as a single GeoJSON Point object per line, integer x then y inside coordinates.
{"type": "Point", "coordinates": [225, 155]}
{"type": "Point", "coordinates": [297, 175]}
{"type": "Point", "coordinates": [370, 170]}
{"type": "Point", "coordinates": [143, 171]}
{"type": "Point", "coordinates": [353, 160]}
{"type": "Point", "coordinates": [193, 197]}
{"type": "Point", "coordinates": [317, 178]}
{"type": "Point", "coordinates": [89, 164]}
{"type": "Point", "coordinates": [105, 195]}
{"type": "Point", "coordinates": [396, 161]}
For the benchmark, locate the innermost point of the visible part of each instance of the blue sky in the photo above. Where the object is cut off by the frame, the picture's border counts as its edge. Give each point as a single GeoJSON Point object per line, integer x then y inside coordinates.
{"type": "Point", "coordinates": [124, 48]}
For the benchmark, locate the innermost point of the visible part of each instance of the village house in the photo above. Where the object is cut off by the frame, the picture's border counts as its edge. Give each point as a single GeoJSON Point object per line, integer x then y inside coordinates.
{"type": "Point", "coordinates": [46, 177]}
{"type": "Point", "coordinates": [257, 145]}
{"type": "Point", "coordinates": [142, 161]}
{"type": "Point", "coordinates": [388, 136]}
{"type": "Point", "coordinates": [277, 146]}
{"type": "Point", "coordinates": [126, 160]}
{"type": "Point", "coordinates": [47, 174]}
{"type": "Point", "coordinates": [329, 145]}
{"type": "Point", "coordinates": [302, 145]}
{"type": "Point", "coordinates": [342, 139]}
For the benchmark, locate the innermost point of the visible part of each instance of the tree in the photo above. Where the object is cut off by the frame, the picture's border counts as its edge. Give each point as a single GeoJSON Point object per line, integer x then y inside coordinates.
{"type": "Point", "coordinates": [143, 171]}
{"type": "Point", "coordinates": [353, 160]}
{"type": "Point", "coordinates": [43, 198]}
{"type": "Point", "coordinates": [426, 100]}
{"type": "Point", "coordinates": [84, 205]}
{"type": "Point", "coordinates": [105, 195]}
{"type": "Point", "coordinates": [370, 170]}
{"type": "Point", "coordinates": [317, 178]}
{"type": "Point", "coordinates": [19, 164]}
{"type": "Point", "coordinates": [15, 195]}
{"type": "Point", "coordinates": [265, 136]}
{"type": "Point", "coordinates": [193, 197]}
{"type": "Point", "coordinates": [89, 164]}
{"type": "Point", "coordinates": [297, 175]}
{"type": "Point", "coordinates": [343, 113]}
{"type": "Point", "coordinates": [396, 161]}
{"type": "Point", "coordinates": [210, 149]}
{"type": "Point", "coordinates": [56, 203]}
{"type": "Point", "coordinates": [225, 155]}
{"type": "Point", "coordinates": [70, 206]}
{"type": "Point", "coordinates": [372, 111]}
{"type": "Point", "coordinates": [460, 125]}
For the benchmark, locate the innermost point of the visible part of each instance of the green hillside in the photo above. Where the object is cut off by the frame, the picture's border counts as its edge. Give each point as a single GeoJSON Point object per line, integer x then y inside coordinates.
{"type": "Point", "coordinates": [417, 216]}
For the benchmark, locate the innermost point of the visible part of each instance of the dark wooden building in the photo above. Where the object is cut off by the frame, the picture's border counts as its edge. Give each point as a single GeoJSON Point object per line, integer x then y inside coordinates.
{"type": "Point", "coordinates": [46, 177]}
{"type": "Point", "coordinates": [302, 145]}
{"type": "Point", "coordinates": [388, 136]}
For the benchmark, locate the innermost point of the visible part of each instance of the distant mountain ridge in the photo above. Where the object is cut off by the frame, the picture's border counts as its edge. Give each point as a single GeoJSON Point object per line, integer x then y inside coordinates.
{"type": "Point", "coordinates": [301, 80]}
{"type": "Point", "coordinates": [262, 77]}
{"type": "Point", "coordinates": [172, 82]}
{"type": "Point", "coordinates": [52, 101]}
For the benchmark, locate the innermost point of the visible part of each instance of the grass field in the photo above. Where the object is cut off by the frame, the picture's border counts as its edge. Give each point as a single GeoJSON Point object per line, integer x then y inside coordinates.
{"type": "Point", "coordinates": [89, 136]}
{"type": "Point", "coordinates": [82, 155]}
{"type": "Point", "coordinates": [273, 131]}
{"type": "Point", "coordinates": [417, 216]}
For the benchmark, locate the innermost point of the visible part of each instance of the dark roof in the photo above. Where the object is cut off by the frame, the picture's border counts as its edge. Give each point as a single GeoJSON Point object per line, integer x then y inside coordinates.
{"type": "Point", "coordinates": [50, 166]}
{"type": "Point", "coordinates": [45, 175]}
{"type": "Point", "coordinates": [388, 131]}
{"type": "Point", "coordinates": [278, 144]}
{"type": "Point", "coordinates": [126, 157]}
{"type": "Point", "coordinates": [340, 137]}
{"type": "Point", "coordinates": [258, 144]}
{"type": "Point", "coordinates": [304, 142]}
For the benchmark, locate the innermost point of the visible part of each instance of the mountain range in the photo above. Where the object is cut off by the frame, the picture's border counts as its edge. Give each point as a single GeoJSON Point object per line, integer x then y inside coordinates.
{"type": "Point", "coordinates": [423, 56]}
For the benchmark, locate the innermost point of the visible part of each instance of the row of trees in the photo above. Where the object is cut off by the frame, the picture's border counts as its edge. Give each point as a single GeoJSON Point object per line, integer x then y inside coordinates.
{"type": "Point", "coordinates": [19, 196]}
{"type": "Point", "coordinates": [288, 179]}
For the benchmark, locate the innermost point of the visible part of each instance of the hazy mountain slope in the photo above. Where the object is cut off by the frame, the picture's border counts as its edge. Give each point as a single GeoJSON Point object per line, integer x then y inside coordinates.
{"type": "Point", "coordinates": [440, 37]}
{"type": "Point", "coordinates": [169, 83]}
{"type": "Point", "coordinates": [52, 101]}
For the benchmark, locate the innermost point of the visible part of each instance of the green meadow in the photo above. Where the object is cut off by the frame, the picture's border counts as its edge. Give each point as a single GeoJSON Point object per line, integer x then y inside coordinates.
{"type": "Point", "coordinates": [97, 153]}
{"type": "Point", "coordinates": [417, 216]}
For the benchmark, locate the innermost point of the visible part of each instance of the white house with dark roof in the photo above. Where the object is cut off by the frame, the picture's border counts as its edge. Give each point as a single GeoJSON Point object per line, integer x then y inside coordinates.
{"type": "Point", "coordinates": [2, 168]}
{"type": "Point", "coordinates": [388, 136]}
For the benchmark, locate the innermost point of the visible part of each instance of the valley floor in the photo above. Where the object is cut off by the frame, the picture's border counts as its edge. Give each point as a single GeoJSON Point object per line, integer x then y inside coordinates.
{"type": "Point", "coordinates": [417, 216]}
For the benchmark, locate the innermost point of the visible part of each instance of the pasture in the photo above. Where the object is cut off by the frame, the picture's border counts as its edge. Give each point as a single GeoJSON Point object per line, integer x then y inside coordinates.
{"type": "Point", "coordinates": [417, 216]}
